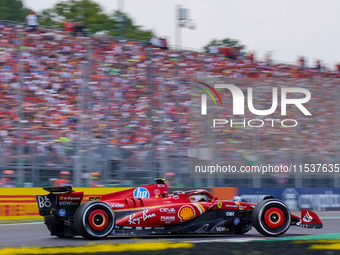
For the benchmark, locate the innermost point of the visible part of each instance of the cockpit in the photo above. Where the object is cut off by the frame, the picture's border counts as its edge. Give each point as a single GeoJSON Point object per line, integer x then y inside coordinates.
{"type": "Point", "coordinates": [199, 198]}
{"type": "Point", "coordinates": [195, 195]}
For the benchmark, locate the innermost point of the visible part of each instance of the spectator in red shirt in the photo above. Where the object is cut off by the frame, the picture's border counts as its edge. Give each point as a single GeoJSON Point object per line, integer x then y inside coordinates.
{"type": "Point", "coordinates": [64, 179]}
{"type": "Point", "coordinates": [338, 67]}
{"type": "Point", "coordinates": [8, 180]}
{"type": "Point", "coordinates": [252, 58]}
{"type": "Point", "coordinates": [164, 43]}
{"type": "Point", "coordinates": [68, 26]}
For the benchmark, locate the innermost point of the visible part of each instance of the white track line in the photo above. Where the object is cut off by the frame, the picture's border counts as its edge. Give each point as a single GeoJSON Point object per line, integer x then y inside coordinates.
{"type": "Point", "coordinates": [15, 224]}
{"type": "Point", "coordinates": [234, 240]}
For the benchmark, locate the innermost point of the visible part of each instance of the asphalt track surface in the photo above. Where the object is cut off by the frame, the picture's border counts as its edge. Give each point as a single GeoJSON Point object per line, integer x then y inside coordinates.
{"type": "Point", "coordinates": [36, 234]}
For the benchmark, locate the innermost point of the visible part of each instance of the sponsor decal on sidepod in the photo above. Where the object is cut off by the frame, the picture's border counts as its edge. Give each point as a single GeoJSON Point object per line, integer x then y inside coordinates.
{"type": "Point", "coordinates": [141, 193]}
{"type": "Point", "coordinates": [132, 220]}
{"type": "Point", "coordinates": [167, 210]}
{"type": "Point", "coordinates": [186, 212]}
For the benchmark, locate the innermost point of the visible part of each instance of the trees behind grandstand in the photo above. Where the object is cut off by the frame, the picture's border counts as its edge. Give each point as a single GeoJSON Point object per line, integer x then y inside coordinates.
{"type": "Point", "coordinates": [13, 10]}
{"type": "Point", "coordinates": [228, 42]}
{"type": "Point", "coordinates": [88, 12]}
{"type": "Point", "coordinates": [93, 17]}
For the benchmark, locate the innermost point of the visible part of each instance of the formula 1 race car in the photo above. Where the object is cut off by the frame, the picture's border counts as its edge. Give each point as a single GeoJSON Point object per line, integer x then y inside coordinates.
{"type": "Point", "coordinates": [151, 210]}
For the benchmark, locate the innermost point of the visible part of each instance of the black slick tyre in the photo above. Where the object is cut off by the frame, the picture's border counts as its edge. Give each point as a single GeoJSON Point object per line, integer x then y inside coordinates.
{"type": "Point", "coordinates": [271, 217]}
{"type": "Point", "coordinates": [94, 220]}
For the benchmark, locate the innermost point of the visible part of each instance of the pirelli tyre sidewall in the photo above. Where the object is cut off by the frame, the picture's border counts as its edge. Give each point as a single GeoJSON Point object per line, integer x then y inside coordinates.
{"type": "Point", "coordinates": [94, 220]}
{"type": "Point", "coordinates": [271, 217]}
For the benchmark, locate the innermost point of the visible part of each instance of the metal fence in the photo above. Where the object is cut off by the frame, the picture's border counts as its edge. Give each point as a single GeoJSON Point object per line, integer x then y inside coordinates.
{"type": "Point", "coordinates": [127, 115]}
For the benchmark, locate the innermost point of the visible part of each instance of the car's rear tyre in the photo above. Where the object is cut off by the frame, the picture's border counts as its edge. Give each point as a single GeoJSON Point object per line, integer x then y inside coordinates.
{"type": "Point", "coordinates": [94, 220]}
{"type": "Point", "coordinates": [271, 217]}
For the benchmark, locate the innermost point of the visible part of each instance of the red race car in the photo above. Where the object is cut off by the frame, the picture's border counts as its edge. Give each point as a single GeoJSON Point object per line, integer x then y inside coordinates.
{"type": "Point", "coordinates": [151, 210]}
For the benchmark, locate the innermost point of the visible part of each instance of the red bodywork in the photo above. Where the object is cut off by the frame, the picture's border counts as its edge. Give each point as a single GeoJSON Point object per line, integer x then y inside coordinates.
{"type": "Point", "coordinates": [150, 209]}
{"type": "Point", "coordinates": [158, 208]}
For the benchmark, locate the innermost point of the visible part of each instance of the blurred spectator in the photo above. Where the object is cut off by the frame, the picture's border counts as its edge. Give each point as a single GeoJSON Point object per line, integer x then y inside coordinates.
{"type": "Point", "coordinates": [8, 181]}
{"type": "Point", "coordinates": [68, 26]}
{"type": "Point", "coordinates": [338, 67]}
{"type": "Point", "coordinates": [226, 52]}
{"type": "Point", "coordinates": [251, 57]}
{"type": "Point", "coordinates": [32, 21]}
{"type": "Point", "coordinates": [155, 41]}
{"type": "Point", "coordinates": [95, 181]}
{"type": "Point", "coordinates": [64, 179]}
{"type": "Point", "coordinates": [51, 181]}
{"type": "Point", "coordinates": [318, 66]}
{"type": "Point", "coordinates": [301, 62]}
{"type": "Point", "coordinates": [170, 179]}
{"type": "Point", "coordinates": [268, 57]}
{"type": "Point", "coordinates": [241, 55]}
{"type": "Point", "coordinates": [213, 49]}
{"type": "Point", "coordinates": [79, 28]}
{"type": "Point", "coordinates": [163, 43]}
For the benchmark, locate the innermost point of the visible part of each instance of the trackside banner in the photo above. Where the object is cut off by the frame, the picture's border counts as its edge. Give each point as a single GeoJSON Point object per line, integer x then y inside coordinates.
{"type": "Point", "coordinates": [20, 203]}
{"type": "Point", "coordinates": [318, 199]}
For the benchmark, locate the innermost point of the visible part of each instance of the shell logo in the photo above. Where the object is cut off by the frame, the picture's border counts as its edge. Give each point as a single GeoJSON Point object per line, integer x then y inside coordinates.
{"type": "Point", "coordinates": [186, 212]}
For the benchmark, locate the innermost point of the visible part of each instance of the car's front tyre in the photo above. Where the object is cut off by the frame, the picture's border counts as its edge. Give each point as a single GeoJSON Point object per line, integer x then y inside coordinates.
{"type": "Point", "coordinates": [94, 220]}
{"type": "Point", "coordinates": [271, 217]}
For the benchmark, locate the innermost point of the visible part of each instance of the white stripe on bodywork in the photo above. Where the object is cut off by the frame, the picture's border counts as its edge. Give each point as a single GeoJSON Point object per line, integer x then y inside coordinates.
{"type": "Point", "coordinates": [199, 208]}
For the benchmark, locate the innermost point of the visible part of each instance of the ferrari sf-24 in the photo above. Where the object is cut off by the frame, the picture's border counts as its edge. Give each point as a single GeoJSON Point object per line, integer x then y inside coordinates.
{"type": "Point", "coordinates": [151, 210]}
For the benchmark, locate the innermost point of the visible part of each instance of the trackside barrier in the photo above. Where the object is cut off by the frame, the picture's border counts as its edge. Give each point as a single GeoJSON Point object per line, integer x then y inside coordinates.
{"type": "Point", "coordinates": [318, 199]}
{"type": "Point", "coordinates": [20, 203]}
{"type": "Point", "coordinates": [224, 193]}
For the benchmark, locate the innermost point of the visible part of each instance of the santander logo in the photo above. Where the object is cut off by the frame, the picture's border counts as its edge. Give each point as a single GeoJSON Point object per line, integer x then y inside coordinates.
{"type": "Point", "coordinates": [307, 217]}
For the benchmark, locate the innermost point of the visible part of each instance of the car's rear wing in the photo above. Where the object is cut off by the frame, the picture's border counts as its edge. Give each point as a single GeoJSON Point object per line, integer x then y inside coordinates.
{"type": "Point", "coordinates": [61, 202]}
{"type": "Point", "coordinates": [58, 190]}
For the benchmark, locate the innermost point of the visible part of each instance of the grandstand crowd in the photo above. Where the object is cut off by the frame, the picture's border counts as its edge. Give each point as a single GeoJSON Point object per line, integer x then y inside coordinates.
{"type": "Point", "coordinates": [57, 88]}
